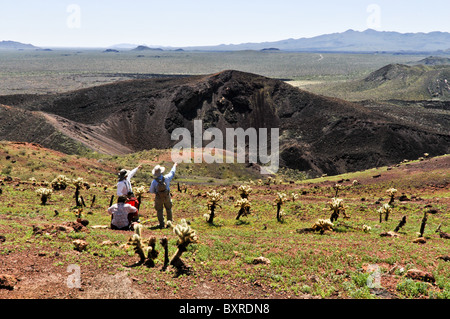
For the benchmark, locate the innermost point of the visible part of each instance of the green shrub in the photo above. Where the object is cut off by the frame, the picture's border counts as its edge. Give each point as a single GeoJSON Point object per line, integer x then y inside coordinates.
{"type": "Point", "coordinates": [412, 289]}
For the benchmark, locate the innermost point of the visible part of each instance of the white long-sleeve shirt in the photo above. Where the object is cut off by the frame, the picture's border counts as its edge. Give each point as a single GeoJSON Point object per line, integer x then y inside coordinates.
{"type": "Point", "coordinates": [124, 186]}
{"type": "Point", "coordinates": [120, 213]}
{"type": "Point", "coordinates": [167, 178]}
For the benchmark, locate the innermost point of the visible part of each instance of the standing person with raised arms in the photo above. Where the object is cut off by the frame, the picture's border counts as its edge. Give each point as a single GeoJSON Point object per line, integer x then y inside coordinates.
{"type": "Point", "coordinates": [160, 186]}
{"type": "Point", "coordinates": [124, 184]}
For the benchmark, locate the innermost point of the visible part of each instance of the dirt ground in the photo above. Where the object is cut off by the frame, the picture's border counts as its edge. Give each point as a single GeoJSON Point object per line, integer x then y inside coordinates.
{"type": "Point", "coordinates": [30, 272]}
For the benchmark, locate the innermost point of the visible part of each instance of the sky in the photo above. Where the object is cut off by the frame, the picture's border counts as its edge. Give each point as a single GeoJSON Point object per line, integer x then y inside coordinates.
{"type": "Point", "coordinates": [181, 23]}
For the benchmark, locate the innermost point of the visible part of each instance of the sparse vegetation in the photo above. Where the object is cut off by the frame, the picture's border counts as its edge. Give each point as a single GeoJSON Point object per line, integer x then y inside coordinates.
{"type": "Point", "coordinates": [391, 192]}
{"type": "Point", "coordinates": [301, 262]}
{"type": "Point", "coordinates": [60, 182]}
{"type": "Point", "coordinates": [336, 206]}
{"type": "Point", "coordinates": [186, 236]}
{"type": "Point", "coordinates": [323, 225]}
{"type": "Point", "coordinates": [244, 191]}
{"type": "Point", "coordinates": [327, 260]}
{"type": "Point", "coordinates": [79, 183]}
{"type": "Point", "coordinates": [144, 249]}
{"type": "Point", "coordinates": [44, 194]}
{"type": "Point", "coordinates": [244, 207]}
{"type": "Point", "coordinates": [279, 201]}
{"type": "Point", "coordinates": [385, 210]}
{"type": "Point", "coordinates": [213, 202]}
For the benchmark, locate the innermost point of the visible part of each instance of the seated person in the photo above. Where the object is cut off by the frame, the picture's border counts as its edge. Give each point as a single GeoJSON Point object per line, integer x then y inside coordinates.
{"type": "Point", "coordinates": [133, 201]}
{"type": "Point", "coordinates": [120, 214]}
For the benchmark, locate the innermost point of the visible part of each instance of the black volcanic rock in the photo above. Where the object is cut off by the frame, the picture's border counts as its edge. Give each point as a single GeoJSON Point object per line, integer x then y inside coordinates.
{"type": "Point", "coordinates": [146, 48]}
{"type": "Point", "coordinates": [434, 60]}
{"type": "Point", "coordinates": [317, 134]}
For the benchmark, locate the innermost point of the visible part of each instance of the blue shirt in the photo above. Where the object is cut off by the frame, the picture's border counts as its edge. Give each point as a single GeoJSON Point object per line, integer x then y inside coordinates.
{"type": "Point", "coordinates": [168, 177]}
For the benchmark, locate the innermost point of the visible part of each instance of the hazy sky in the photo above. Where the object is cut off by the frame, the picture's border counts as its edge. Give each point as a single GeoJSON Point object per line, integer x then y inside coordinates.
{"type": "Point", "coordinates": [101, 23]}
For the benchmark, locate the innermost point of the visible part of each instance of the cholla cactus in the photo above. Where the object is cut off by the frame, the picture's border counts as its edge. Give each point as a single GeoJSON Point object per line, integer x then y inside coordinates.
{"type": "Point", "coordinates": [294, 197]}
{"type": "Point", "coordinates": [337, 187]}
{"type": "Point", "coordinates": [165, 243]}
{"type": "Point", "coordinates": [336, 206]}
{"type": "Point", "coordinates": [60, 182]}
{"type": "Point", "coordinates": [423, 224]}
{"type": "Point", "coordinates": [186, 235]}
{"type": "Point", "coordinates": [78, 213]}
{"type": "Point", "coordinates": [400, 224]}
{"type": "Point", "coordinates": [391, 192]}
{"type": "Point", "coordinates": [152, 253]}
{"type": "Point", "coordinates": [442, 234]}
{"type": "Point", "coordinates": [181, 188]}
{"type": "Point", "coordinates": [355, 182]}
{"type": "Point", "coordinates": [244, 207]}
{"type": "Point", "coordinates": [144, 249]}
{"type": "Point", "coordinates": [366, 228]}
{"type": "Point", "coordinates": [213, 199]}
{"type": "Point", "coordinates": [136, 241]}
{"type": "Point", "coordinates": [386, 209]}
{"type": "Point", "coordinates": [45, 194]}
{"type": "Point", "coordinates": [322, 225]}
{"type": "Point", "coordinates": [78, 182]}
{"type": "Point", "coordinates": [139, 191]}
{"type": "Point", "coordinates": [279, 200]}
{"type": "Point", "coordinates": [276, 181]}
{"type": "Point", "coordinates": [244, 191]}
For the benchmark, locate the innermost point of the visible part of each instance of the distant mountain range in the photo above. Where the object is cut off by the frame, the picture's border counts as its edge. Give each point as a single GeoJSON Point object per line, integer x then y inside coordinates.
{"type": "Point", "coordinates": [12, 45]}
{"type": "Point", "coordinates": [348, 41]}
{"type": "Point", "coordinates": [351, 41]}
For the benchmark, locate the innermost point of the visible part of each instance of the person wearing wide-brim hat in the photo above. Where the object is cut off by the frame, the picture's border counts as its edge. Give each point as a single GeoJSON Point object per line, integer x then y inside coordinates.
{"type": "Point", "coordinates": [160, 186]}
{"type": "Point", "coordinates": [124, 183]}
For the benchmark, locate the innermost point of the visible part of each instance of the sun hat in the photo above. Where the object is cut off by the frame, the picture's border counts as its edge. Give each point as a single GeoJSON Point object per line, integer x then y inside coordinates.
{"type": "Point", "coordinates": [158, 170]}
{"type": "Point", "coordinates": [123, 173]}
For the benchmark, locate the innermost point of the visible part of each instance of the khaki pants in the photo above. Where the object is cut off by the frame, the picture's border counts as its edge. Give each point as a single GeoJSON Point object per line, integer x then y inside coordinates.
{"type": "Point", "coordinates": [163, 200]}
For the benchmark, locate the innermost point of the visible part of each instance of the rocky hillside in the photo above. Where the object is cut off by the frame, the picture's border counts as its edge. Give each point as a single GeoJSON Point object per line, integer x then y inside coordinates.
{"type": "Point", "coordinates": [318, 134]}
{"type": "Point", "coordinates": [21, 125]}
{"type": "Point", "coordinates": [395, 81]}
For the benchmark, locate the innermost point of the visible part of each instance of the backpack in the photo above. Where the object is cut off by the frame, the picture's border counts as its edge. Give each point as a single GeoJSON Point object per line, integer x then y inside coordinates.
{"type": "Point", "coordinates": [133, 202]}
{"type": "Point", "coordinates": [162, 186]}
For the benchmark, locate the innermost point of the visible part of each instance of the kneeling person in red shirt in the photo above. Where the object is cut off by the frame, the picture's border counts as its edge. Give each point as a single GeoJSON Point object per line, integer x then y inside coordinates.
{"type": "Point", "coordinates": [133, 201]}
